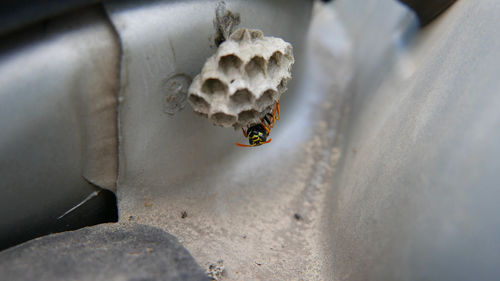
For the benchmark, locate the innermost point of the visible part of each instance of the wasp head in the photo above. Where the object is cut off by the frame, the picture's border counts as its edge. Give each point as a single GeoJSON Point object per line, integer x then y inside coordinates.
{"type": "Point", "coordinates": [257, 135]}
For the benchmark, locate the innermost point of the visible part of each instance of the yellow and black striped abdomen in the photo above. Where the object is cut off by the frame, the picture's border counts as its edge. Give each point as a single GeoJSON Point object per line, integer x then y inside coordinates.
{"type": "Point", "coordinates": [257, 134]}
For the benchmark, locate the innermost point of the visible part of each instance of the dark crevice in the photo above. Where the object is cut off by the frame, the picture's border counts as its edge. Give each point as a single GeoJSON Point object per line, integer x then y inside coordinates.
{"type": "Point", "coordinates": [99, 209]}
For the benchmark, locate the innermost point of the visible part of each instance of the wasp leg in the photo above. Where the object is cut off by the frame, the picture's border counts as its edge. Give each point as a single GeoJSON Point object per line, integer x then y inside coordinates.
{"type": "Point", "coordinates": [269, 140]}
{"type": "Point", "coordinates": [265, 127]}
{"type": "Point", "coordinates": [273, 117]}
{"type": "Point", "coordinates": [244, 133]}
{"type": "Point", "coordinates": [269, 118]}
{"type": "Point", "coordinates": [278, 109]}
{"type": "Point", "coordinates": [243, 145]}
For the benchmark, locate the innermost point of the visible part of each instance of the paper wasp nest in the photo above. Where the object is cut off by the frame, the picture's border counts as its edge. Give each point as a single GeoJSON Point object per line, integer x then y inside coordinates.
{"type": "Point", "coordinates": [243, 79]}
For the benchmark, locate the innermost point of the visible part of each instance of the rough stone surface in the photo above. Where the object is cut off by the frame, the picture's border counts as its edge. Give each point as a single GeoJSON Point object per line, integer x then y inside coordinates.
{"type": "Point", "coordinates": [103, 252]}
{"type": "Point", "coordinates": [243, 80]}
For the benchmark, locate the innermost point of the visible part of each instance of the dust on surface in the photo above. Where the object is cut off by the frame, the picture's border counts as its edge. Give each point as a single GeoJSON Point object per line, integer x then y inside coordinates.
{"type": "Point", "coordinates": [184, 214]}
{"type": "Point", "coordinates": [216, 270]}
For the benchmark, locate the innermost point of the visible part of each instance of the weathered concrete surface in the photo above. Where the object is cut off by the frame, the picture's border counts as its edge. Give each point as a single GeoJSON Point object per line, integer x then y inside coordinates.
{"type": "Point", "coordinates": [102, 252]}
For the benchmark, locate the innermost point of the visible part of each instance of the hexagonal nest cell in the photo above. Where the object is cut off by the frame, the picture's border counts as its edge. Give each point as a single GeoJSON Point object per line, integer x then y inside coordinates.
{"type": "Point", "coordinates": [213, 85]}
{"type": "Point", "coordinates": [249, 116]}
{"type": "Point", "coordinates": [242, 97]}
{"type": "Point", "coordinates": [268, 97]}
{"type": "Point", "coordinates": [229, 63]}
{"type": "Point", "coordinates": [223, 119]}
{"type": "Point", "coordinates": [256, 66]}
{"type": "Point", "coordinates": [228, 91]}
{"type": "Point", "coordinates": [200, 103]}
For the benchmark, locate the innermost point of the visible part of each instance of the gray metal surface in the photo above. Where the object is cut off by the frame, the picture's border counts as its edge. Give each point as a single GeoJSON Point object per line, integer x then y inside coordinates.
{"type": "Point", "coordinates": [415, 195]}
{"type": "Point", "coordinates": [57, 120]}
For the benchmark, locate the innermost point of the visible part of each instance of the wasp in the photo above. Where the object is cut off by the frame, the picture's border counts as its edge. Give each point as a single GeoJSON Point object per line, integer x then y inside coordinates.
{"type": "Point", "coordinates": [257, 133]}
